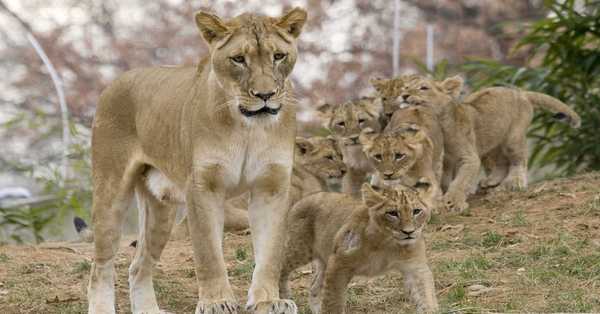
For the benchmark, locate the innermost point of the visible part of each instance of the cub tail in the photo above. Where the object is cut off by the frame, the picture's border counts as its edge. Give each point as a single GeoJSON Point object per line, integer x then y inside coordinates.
{"type": "Point", "coordinates": [561, 110]}
{"type": "Point", "coordinates": [83, 230]}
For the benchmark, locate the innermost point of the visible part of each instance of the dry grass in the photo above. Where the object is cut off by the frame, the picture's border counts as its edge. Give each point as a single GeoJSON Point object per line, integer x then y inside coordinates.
{"type": "Point", "coordinates": [535, 251]}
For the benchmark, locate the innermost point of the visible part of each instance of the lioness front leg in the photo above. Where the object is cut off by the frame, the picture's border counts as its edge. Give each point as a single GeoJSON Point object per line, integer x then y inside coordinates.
{"type": "Point", "coordinates": [205, 199]}
{"type": "Point", "coordinates": [268, 212]}
{"type": "Point", "coordinates": [419, 283]}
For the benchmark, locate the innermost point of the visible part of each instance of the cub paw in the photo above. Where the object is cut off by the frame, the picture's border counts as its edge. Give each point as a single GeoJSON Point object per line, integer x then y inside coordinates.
{"type": "Point", "coordinates": [455, 204]}
{"type": "Point", "coordinates": [514, 184]}
{"type": "Point", "coordinates": [274, 307]}
{"type": "Point", "coordinates": [224, 307]}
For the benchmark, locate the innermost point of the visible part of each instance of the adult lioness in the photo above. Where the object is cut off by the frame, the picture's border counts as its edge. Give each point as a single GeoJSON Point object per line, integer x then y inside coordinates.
{"type": "Point", "coordinates": [214, 130]}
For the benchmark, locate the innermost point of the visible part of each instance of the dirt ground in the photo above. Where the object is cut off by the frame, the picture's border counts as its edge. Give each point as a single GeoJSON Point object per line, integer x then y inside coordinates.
{"type": "Point", "coordinates": [533, 251]}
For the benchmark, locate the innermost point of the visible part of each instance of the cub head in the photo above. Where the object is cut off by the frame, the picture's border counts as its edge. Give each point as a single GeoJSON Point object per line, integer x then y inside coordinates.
{"type": "Point", "coordinates": [434, 94]}
{"type": "Point", "coordinates": [347, 120]}
{"type": "Point", "coordinates": [399, 211]}
{"type": "Point", "coordinates": [393, 154]}
{"type": "Point", "coordinates": [320, 156]}
{"type": "Point", "coordinates": [389, 90]}
{"type": "Point", "coordinates": [251, 56]}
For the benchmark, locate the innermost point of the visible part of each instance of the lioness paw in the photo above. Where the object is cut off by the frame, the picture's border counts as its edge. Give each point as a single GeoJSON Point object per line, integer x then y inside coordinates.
{"type": "Point", "coordinates": [274, 307]}
{"type": "Point", "coordinates": [225, 307]}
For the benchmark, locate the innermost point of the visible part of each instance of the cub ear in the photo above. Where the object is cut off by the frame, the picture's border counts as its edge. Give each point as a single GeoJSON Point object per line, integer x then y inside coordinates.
{"type": "Point", "coordinates": [370, 196]}
{"type": "Point", "coordinates": [211, 27]}
{"type": "Point", "coordinates": [325, 108]}
{"type": "Point", "coordinates": [325, 112]}
{"type": "Point", "coordinates": [350, 242]}
{"type": "Point", "coordinates": [366, 138]}
{"type": "Point", "coordinates": [373, 106]}
{"type": "Point", "coordinates": [413, 133]}
{"type": "Point", "coordinates": [423, 185]}
{"type": "Point", "coordinates": [293, 21]}
{"type": "Point", "coordinates": [453, 86]}
{"type": "Point", "coordinates": [378, 83]}
{"type": "Point", "coordinates": [303, 145]}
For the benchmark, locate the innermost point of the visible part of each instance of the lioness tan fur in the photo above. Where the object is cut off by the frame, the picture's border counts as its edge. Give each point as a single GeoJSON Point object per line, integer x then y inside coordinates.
{"type": "Point", "coordinates": [214, 131]}
{"type": "Point", "coordinates": [490, 121]}
{"type": "Point", "coordinates": [346, 121]}
{"type": "Point", "coordinates": [403, 154]}
{"type": "Point", "coordinates": [345, 237]}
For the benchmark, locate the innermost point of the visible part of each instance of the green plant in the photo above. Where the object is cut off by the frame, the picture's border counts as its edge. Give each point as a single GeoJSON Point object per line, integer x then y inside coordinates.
{"type": "Point", "coordinates": [565, 63]}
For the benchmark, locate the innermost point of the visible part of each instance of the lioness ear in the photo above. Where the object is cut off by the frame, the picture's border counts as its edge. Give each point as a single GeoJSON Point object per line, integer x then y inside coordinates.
{"type": "Point", "coordinates": [211, 27]}
{"type": "Point", "coordinates": [303, 145]}
{"type": "Point", "coordinates": [370, 196]}
{"type": "Point", "coordinates": [453, 86]}
{"type": "Point", "coordinates": [293, 21]}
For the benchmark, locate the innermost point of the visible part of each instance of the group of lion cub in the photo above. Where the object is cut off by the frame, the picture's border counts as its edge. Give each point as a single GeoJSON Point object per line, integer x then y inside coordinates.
{"type": "Point", "coordinates": [422, 148]}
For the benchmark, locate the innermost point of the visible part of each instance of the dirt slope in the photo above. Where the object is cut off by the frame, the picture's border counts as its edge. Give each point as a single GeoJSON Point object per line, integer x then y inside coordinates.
{"type": "Point", "coordinates": [512, 252]}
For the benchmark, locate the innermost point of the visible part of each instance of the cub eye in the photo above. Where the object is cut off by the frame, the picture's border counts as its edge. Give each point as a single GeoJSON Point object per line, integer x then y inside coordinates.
{"type": "Point", "coordinates": [239, 59]}
{"type": "Point", "coordinates": [417, 211]}
{"type": "Point", "coordinates": [384, 98]}
{"type": "Point", "coordinates": [378, 157]}
{"type": "Point", "coordinates": [392, 214]}
{"type": "Point", "coordinates": [341, 124]}
{"type": "Point", "coordinates": [361, 121]}
{"type": "Point", "coordinates": [279, 56]}
{"type": "Point", "coordinates": [399, 156]}
{"type": "Point", "coordinates": [424, 87]}
{"type": "Point", "coordinates": [330, 157]}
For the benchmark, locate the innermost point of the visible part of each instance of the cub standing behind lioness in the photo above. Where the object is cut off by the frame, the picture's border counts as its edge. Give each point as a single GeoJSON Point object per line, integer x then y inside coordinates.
{"type": "Point", "coordinates": [214, 130]}
{"type": "Point", "coordinates": [346, 121]}
{"type": "Point", "coordinates": [493, 120]}
{"type": "Point", "coordinates": [345, 237]}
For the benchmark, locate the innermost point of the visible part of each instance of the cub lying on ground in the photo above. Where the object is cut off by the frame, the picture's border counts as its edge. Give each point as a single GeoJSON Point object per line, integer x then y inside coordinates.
{"type": "Point", "coordinates": [383, 232]}
{"type": "Point", "coordinates": [492, 121]}
{"type": "Point", "coordinates": [346, 121]}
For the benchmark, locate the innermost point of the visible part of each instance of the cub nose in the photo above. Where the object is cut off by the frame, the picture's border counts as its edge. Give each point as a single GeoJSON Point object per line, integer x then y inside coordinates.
{"type": "Point", "coordinates": [388, 175]}
{"type": "Point", "coordinates": [408, 232]}
{"type": "Point", "coordinates": [343, 171]}
{"type": "Point", "coordinates": [405, 97]}
{"type": "Point", "coordinates": [262, 95]}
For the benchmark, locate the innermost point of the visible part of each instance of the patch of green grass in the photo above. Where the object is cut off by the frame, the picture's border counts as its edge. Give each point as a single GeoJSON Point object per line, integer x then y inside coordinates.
{"type": "Point", "coordinates": [243, 270]}
{"type": "Point", "coordinates": [4, 258]}
{"type": "Point", "coordinates": [241, 254]}
{"type": "Point", "coordinates": [435, 219]}
{"type": "Point", "coordinates": [456, 294]}
{"type": "Point", "coordinates": [569, 301]}
{"type": "Point", "coordinates": [82, 267]}
{"type": "Point", "coordinates": [491, 239]}
{"type": "Point", "coordinates": [519, 219]}
{"type": "Point", "coordinates": [471, 268]}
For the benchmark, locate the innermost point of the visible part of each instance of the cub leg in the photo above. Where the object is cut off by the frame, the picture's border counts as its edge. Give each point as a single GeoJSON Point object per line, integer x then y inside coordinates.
{"type": "Point", "coordinates": [268, 210]}
{"type": "Point", "coordinates": [205, 198]}
{"type": "Point", "coordinates": [156, 221]}
{"type": "Point", "coordinates": [337, 277]}
{"type": "Point", "coordinates": [352, 181]}
{"type": "Point", "coordinates": [108, 212]}
{"type": "Point", "coordinates": [297, 253]}
{"type": "Point", "coordinates": [466, 175]}
{"type": "Point", "coordinates": [316, 286]}
{"type": "Point", "coordinates": [419, 283]}
{"type": "Point", "coordinates": [496, 166]}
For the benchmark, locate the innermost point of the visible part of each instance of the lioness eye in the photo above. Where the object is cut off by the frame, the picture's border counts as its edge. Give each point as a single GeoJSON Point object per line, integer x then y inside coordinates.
{"type": "Point", "coordinates": [279, 56]}
{"type": "Point", "coordinates": [399, 156]}
{"type": "Point", "coordinates": [378, 156]}
{"type": "Point", "coordinates": [239, 59]}
{"type": "Point", "coordinates": [424, 87]}
{"type": "Point", "coordinates": [341, 124]}
{"type": "Point", "coordinates": [392, 214]}
{"type": "Point", "coordinates": [417, 211]}
{"type": "Point", "coordinates": [330, 157]}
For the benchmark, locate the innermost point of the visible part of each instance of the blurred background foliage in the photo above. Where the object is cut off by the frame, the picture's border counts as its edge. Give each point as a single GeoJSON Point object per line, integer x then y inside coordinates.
{"type": "Point", "coordinates": [547, 46]}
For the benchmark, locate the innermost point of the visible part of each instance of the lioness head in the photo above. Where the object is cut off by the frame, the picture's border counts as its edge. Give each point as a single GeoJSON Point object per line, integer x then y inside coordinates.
{"type": "Point", "coordinates": [428, 92]}
{"type": "Point", "coordinates": [320, 156]}
{"type": "Point", "coordinates": [347, 120]}
{"type": "Point", "coordinates": [251, 56]}
{"type": "Point", "coordinates": [398, 211]}
{"type": "Point", "coordinates": [394, 154]}
{"type": "Point", "coordinates": [390, 90]}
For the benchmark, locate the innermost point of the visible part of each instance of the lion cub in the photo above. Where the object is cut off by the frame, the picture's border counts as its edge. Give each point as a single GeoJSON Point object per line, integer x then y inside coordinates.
{"type": "Point", "coordinates": [389, 90]}
{"type": "Point", "coordinates": [491, 121]}
{"type": "Point", "coordinates": [346, 121]}
{"type": "Point", "coordinates": [383, 232]}
{"type": "Point", "coordinates": [403, 154]}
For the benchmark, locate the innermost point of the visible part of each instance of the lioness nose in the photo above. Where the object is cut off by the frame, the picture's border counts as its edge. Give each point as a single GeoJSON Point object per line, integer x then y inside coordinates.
{"type": "Point", "coordinates": [262, 95]}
